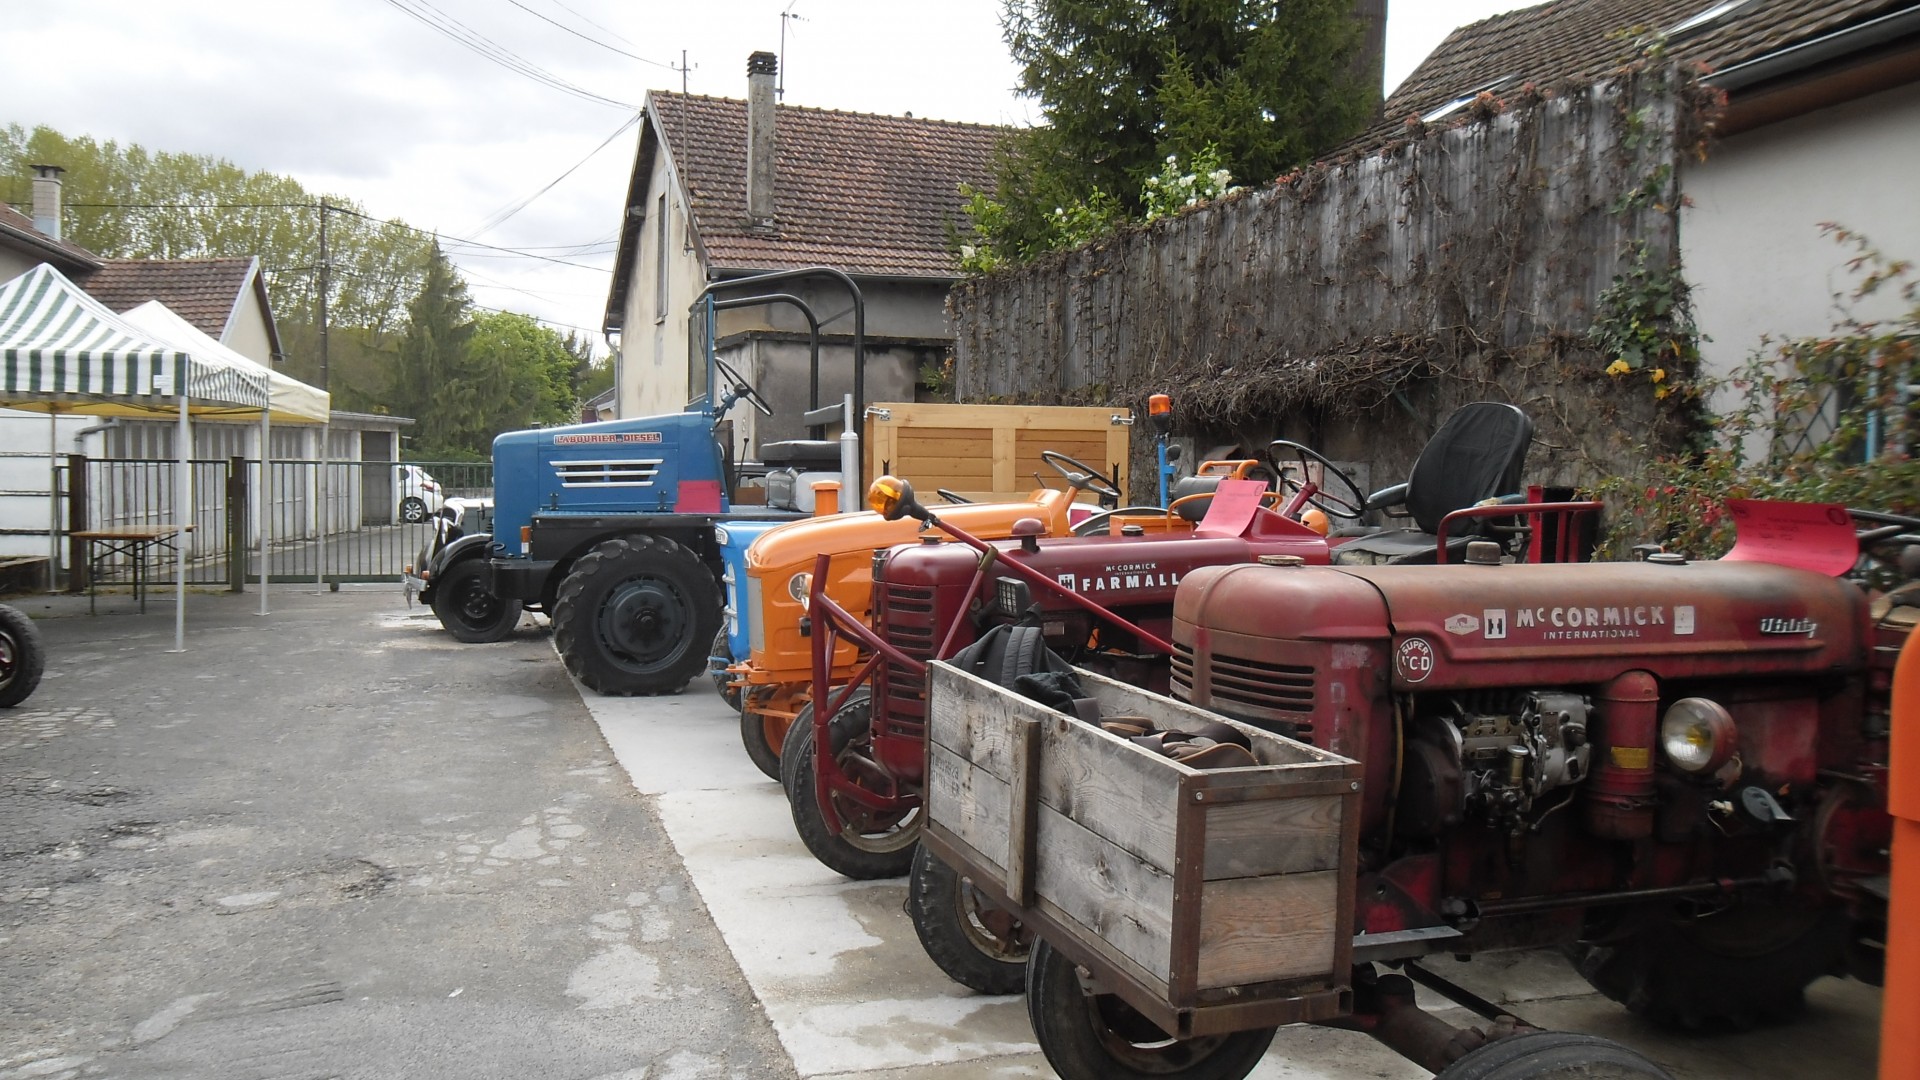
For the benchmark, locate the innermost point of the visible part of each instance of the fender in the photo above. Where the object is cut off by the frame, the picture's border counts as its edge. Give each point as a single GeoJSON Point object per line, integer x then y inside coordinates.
{"type": "Point", "coordinates": [470, 546]}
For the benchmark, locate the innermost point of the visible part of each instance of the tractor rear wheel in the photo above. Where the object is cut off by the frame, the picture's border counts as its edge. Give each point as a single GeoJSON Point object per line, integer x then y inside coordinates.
{"type": "Point", "coordinates": [977, 943]}
{"type": "Point", "coordinates": [1553, 1055]}
{"type": "Point", "coordinates": [1100, 1037]}
{"type": "Point", "coordinates": [1743, 965]}
{"type": "Point", "coordinates": [22, 658]}
{"type": "Point", "coordinates": [872, 845]}
{"type": "Point", "coordinates": [631, 614]}
{"type": "Point", "coordinates": [468, 611]}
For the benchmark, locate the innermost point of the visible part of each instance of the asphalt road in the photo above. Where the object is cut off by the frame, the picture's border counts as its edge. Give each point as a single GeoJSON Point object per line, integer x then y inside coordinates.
{"type": "Point", "coordinates": [331, 843]}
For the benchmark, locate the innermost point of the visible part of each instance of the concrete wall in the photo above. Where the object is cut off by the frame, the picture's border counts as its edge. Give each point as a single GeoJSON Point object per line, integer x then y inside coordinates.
{"type": "Point", "coordinates": [247, 333]}
{"type": "Point", "coordinates": [778, 367]}
{"type": "Point", "coordinates": [14, 263]}
{"type": "Point", "coordinates": [1751, 241]}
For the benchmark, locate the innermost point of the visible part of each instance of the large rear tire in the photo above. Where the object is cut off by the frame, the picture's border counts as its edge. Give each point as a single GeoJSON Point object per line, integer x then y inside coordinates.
{"type": "Point", "coordinates": [22, 657]}
{"type": "Point", "coordinates": [630, 616]}
{"type": "Point", "coordinates": [1553, 1055]}
{"type": "Point", "coordinates": [1745, 965]}
{"type": "Point", "coordinates": [1100, 1037]}
{"type": "Point", "coordinates": [871, 846]}
{"type": "Point", "coordinates": [467, 610]}
{"type": "Point", "coordinates": [978, 944]}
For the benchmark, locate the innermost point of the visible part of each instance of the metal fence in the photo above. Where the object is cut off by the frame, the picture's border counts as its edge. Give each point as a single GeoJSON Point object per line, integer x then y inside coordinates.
{"type": "Point", "coordinates": [324, 522]}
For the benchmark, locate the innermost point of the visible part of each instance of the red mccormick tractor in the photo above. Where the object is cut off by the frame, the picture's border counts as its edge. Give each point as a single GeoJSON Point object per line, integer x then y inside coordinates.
{"type": "Point", "coordinates": [1676, 770]}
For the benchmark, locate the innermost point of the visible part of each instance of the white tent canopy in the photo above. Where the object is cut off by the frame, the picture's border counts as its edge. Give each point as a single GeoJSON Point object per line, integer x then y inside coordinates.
{"type": "Point", "coordinates": [63, 351]}
{"type": "Point", "coordinates": [293, 402]}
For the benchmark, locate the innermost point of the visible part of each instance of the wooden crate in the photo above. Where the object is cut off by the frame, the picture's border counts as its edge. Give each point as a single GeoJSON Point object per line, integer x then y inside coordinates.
{"type": "Point", "coordinates": [990, 452]}
{"type": "Point", "coordinates": [1210, 899]}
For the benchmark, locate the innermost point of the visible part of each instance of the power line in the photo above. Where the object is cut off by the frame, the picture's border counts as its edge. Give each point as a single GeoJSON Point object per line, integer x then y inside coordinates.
{"type": "Point", "coordinates": [585, 38]}
{"type": "Point", "coordinates": [499, 217]}
{"type": "Point", "coordinates": [595, 25]}
{"type": "Point", "coordinates": [467, 37]}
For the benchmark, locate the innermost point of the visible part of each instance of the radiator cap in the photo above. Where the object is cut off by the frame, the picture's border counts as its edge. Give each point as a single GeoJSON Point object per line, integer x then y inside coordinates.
{"type": "Point", "coordinates": [1282, 560]}
{"type": "Point", "coordinates": [1483, 553]}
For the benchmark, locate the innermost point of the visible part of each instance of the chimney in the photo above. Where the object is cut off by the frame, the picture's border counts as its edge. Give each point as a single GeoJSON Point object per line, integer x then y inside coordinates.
{"type": "Point", "coordinates": [761, 68]}
{"type": "Point", "coordinates": [46, 199]}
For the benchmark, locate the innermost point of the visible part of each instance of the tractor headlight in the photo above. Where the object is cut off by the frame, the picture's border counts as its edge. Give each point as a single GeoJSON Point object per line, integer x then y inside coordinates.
{"type": "Point", "coordinates": [1697, 735]}
{"type": "Point", "coordinates": [798, 586]}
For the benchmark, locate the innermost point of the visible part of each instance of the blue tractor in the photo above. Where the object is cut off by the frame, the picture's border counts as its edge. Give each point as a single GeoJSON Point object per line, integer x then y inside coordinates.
{"type": "Point", "coordinates": [620, 531]}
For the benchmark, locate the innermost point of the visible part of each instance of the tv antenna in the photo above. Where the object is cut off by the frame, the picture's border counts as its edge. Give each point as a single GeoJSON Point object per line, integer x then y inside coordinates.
{"type": "Point", "coordinates": [780, 87]}
{"type": "Point", "coordinates": [682, 69]}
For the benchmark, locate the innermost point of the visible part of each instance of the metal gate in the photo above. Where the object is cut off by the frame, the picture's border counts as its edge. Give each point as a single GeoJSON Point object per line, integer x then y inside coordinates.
{"type": "Point", "coordinates": [325, 522]}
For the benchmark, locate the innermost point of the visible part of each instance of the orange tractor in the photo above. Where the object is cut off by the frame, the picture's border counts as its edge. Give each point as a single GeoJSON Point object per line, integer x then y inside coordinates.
{"type": "Point", "coordinates": [773, 684]}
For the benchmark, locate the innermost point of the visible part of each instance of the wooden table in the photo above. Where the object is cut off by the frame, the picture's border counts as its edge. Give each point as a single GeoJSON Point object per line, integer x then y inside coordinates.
{"type": "Point", "coordinates": [132, 540]}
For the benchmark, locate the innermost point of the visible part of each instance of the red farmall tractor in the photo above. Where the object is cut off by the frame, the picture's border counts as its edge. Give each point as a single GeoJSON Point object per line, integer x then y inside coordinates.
{"type": "Point", "coordinates": [1105, 603]}
{"type": "Point", "coordinates": [1674, 770]}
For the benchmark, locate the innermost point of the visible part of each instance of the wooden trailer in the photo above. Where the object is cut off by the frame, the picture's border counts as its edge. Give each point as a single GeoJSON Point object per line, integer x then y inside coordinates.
{"type": "Point", "coordinates": [1210, 900]}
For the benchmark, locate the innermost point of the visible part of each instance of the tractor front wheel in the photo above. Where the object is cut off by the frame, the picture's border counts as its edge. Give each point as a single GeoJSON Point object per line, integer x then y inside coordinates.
{"type": "Point", "coordinates": [1740, 966]}
{"type": "Point", "coordinates": [719, 656]}
{"type": "Point", "coordinates": [871, 845]}
{"type": "Point", "coordinates": [979, 944]}
{"type": "Point", "coordinates": [630, 616]}
{"type": "Point", "coordinates": [467, 610]}
{"type": "Point", "coordinates": [762, 733]}
{"type": "Point", "coordinates": [1100, 1037]}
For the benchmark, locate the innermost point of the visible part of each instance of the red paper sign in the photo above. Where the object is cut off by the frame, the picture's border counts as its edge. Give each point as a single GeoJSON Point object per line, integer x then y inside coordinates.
{"type": "Point", "coordinates": [1232, 508]}
{"type": "Point", "coordinates": [1812, 536]}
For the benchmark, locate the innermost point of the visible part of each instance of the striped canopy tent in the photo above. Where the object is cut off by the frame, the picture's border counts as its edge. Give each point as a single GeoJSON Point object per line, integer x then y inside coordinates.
{"type": "Point", "coordinates": [62, 351]}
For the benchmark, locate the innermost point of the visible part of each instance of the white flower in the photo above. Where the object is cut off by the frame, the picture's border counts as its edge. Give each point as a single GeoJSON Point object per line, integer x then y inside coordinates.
{"type": "Point", "coordinates": [1220, 177]}
{"type": "Point", "coordinates": [968, 251]}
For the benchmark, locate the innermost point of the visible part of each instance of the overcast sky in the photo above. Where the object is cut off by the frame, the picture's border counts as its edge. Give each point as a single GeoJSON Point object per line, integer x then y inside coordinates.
{"type": "Point", "coordinates": [360, 98]}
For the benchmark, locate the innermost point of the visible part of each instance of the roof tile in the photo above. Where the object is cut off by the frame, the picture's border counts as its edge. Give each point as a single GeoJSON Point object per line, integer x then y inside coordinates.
{"type": "Point", "coordinates": [863, 193]}
{"type": "Point", "coordinates": [202, 291]}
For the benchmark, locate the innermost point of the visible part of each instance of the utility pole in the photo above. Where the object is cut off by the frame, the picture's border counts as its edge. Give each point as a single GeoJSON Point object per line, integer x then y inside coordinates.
{"type": "Point", "coordinates": [682, 69]}
{"type": "Point", "coordinates": [326, 286]}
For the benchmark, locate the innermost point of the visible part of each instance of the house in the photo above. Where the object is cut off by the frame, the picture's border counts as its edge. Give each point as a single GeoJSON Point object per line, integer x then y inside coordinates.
{"type": "Point", "coordinates": [225, 299]}
{"type": "Point", "coordinates": [723, 188]}
{"type": "Point", "coordinates": [1823, 107]}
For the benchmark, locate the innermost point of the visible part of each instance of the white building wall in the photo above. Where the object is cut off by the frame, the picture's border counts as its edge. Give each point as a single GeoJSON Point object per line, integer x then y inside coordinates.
{"type": "Point", "coordinates": [1751, 241]}
{"type": "Point", "coordinates": [653, 338]}
{"type": "Point", "coordinates": [14, 263]}
{"type": "Point", "coordinates": [26, 478]}
{"type": "Point", "coordinates": [247, 333]}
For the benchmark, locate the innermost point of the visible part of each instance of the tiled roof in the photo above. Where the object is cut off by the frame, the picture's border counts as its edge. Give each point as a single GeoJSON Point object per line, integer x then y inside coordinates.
{"type": "Point", "coordinates": [1582, 40]}
{"type": "Point", "coordinates": [17, 231]}
{"type": "Point", "coordinates": [862, 193]}
{"type": "Point", "coordinates": [202, 291]}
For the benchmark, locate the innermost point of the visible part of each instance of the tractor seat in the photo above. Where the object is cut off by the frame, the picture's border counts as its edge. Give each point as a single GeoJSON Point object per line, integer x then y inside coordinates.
{"type": "Point", "coordinates": [1478, 454]}
{"type": "Point", "coordinates": [807, 455]}
{"type": "Point", "coordinates": [1194, 485]}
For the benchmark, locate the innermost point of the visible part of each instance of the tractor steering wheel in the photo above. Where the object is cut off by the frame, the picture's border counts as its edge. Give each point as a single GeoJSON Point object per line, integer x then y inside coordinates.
{"type": "Point", "coordinates": [744, 388]}
{"type": "Point", "coordinates": [1082, 476]}
{"type": "Point", "coordinates": [952, 496]}
{"type": "Point", "coordinates": [1313, 494]}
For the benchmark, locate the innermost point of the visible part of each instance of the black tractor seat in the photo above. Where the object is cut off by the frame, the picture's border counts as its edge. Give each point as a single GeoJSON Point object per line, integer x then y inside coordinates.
{"type": "Point", "coordinates": [1477, 455]}
{"type": "Point", "coordinates": [808, 455]}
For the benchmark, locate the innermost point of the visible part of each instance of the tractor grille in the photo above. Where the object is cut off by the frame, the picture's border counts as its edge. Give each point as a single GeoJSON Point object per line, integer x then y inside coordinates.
{"type": "Point", "coordinates": [903, 614]}
{"type": "Point", "coordinates": [608, 473]}
{"type": "Point", "coordinates": [1253, 690]}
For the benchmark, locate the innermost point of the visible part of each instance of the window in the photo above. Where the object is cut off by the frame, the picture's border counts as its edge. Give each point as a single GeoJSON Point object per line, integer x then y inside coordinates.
{"type": "Point", "coordinates": [1466, 99]}
{"type": "Point", "coordinates": [660, 260]}
{"type": "Point", "coordinates": [1687, 26]}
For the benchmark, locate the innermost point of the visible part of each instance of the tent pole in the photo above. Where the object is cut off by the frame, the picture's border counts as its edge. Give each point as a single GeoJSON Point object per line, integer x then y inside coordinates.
{"type": "Point", "coordinates": [264, 499]}
{"type": "Point", "coordinates": [53, 499]}
{"type": "Point", "coordinates": [182, 494]}
{"type": "Point", "coordinates": [320, 532]}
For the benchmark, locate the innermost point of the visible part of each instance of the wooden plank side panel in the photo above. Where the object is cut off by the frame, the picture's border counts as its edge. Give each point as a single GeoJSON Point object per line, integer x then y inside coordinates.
{"type": "Point", "coordinates": [1273, 836]}
{"type": "Point", "coordinates": [1121, 699]}
{"type": "Point", "coordinates": [1127, 794]}
{"type": "Point", "coordinates": [1268, 929]}
{"type": "Point", "coordinates": [975, 719]}
{"type": "Point", "coordinates": [1113, 896]}
{"type": "Point", "coordinates": [970, 802]}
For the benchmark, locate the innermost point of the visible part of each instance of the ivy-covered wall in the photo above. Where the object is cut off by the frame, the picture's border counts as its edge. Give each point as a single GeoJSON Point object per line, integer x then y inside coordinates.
{"type": "Point", "coordinates": [1520, 254]}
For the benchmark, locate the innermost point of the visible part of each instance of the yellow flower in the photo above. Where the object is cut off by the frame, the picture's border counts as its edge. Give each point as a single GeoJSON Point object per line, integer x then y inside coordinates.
{"type": "Point", "coordinates": [1660, 392]}
{"type": "Point", "coordinates": [1618, 368]}
{"type": "Point", "coordinates": [1659, 374]}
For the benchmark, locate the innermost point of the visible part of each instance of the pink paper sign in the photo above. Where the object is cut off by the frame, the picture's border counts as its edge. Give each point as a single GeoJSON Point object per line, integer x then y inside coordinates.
{"type": "Point", "coordinates": [1812, 536]}
{"type": "Point", "coordinates": [1232, 508]}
